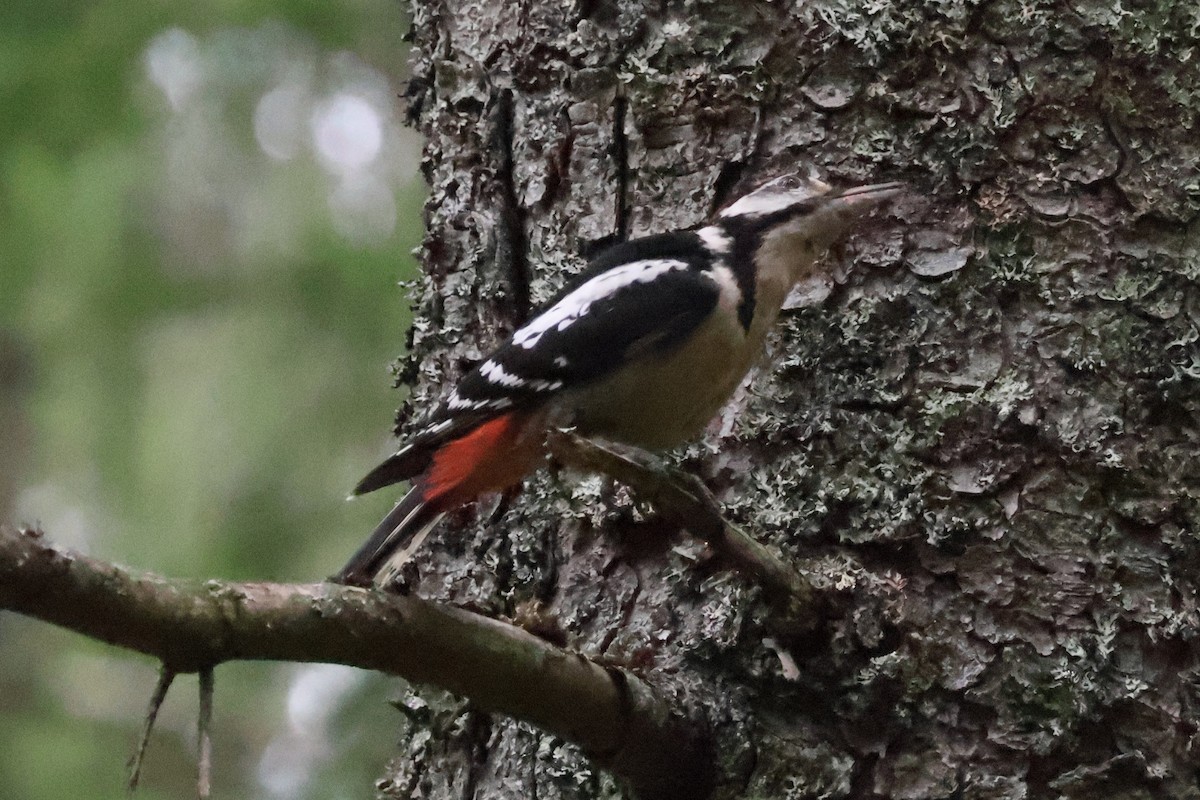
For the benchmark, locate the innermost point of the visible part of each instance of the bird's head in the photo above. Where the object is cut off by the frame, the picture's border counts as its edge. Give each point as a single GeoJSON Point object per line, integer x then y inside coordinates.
{"type": "Point", "coordinates": [783, 196]}
{"type": "Point", "coordinates": [795, 217]}
{"type": "Point", "coordinates": [796, 195]}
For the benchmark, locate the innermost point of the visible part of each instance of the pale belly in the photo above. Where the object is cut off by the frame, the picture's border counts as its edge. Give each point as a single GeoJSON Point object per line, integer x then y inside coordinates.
{"type": "Point", "coordinates": [665, 399]}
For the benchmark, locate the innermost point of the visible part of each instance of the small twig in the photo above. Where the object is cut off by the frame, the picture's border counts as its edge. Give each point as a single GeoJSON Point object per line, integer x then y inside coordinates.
{"type": "Point", "coordinates": [166, 676]}
{"type": "Point", "coordinates": [204, 730]}
{"type": "Point", "coordinates": [686, 500]}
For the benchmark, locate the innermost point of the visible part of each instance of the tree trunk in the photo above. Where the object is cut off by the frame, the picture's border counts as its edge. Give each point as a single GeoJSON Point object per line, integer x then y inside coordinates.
{"type": "Point", "coordinates": [979, 436]}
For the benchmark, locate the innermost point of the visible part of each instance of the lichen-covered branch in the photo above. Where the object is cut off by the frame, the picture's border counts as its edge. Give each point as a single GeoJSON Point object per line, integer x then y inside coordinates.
{"type": "Point", "coordinates": [190, 626]}
{"type": "Point", "coordinates": [687, 501]}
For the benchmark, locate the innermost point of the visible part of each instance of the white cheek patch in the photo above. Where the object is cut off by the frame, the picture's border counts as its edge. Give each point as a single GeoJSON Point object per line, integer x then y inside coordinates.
{"type": "Point", "coordinates": [575, 305]}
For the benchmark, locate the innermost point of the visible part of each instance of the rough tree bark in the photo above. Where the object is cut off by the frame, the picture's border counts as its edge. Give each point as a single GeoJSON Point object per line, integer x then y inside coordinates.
{"type": "Point", "coordinates": [980, 437]}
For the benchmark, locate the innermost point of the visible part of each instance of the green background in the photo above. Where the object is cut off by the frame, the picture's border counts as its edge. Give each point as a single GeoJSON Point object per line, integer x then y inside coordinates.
{"type": "Point", "coordinates": [195, 330]}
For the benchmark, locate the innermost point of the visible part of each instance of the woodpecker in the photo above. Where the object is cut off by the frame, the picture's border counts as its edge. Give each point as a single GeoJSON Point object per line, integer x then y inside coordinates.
{"type": "Point", "coordinates": [643, 348]}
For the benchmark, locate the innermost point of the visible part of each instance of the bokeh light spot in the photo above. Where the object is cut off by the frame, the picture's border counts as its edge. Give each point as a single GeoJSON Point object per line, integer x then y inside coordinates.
{"type": "Point", "coordinates": [348, 132]}
{"type": "Point", "coordinates": [174, 64]}
{"type": "Point", "coordinates": [279, 121]}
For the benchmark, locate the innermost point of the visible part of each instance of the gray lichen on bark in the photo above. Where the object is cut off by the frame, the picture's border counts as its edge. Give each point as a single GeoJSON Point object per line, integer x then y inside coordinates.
{"type": "Point", "coordinates": [980, 434]}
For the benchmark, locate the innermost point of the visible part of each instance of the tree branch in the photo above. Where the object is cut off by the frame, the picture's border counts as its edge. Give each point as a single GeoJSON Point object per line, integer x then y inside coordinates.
{"type": "Point", "coordinates": [684, 499]}
{"type": "Point", "coordinates": [191, 626]}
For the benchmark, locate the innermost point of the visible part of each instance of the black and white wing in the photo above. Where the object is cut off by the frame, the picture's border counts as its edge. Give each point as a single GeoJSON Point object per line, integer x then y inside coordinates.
{"type": "Point", "coordinates": [638, 298]}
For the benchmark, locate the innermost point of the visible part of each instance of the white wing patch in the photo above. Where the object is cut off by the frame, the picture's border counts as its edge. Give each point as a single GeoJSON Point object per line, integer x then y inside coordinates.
{"type": "Point", "coordinates": [456, 402]}
{"type": "Point", "coordinates": [566, 311]}
{"type": "Point", "coordinates": [496, 374]}
{"type": "Point", "coordinates": [499, 376]}
{"type": "Point", "coordinates": [717, 242]}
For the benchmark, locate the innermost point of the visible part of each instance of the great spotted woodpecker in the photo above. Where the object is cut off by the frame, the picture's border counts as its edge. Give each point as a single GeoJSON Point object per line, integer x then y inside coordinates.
{"type": "Point", "coordinates": [643, 347]}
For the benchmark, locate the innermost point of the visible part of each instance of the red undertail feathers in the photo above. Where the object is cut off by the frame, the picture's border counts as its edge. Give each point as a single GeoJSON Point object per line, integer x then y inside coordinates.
{"type": "Point", "coordinates": [493, 456]}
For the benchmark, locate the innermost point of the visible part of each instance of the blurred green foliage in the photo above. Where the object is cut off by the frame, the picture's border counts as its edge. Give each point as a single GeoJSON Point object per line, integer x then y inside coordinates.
{"type": "Point", "coordinates": [194, 332]}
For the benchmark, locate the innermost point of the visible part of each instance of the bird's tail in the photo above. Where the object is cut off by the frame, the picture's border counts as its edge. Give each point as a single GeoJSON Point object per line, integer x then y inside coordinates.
{"type": "Point", "coordinates": [491, 457]}
{"type": "Point", "coordinates": [395, 537]}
